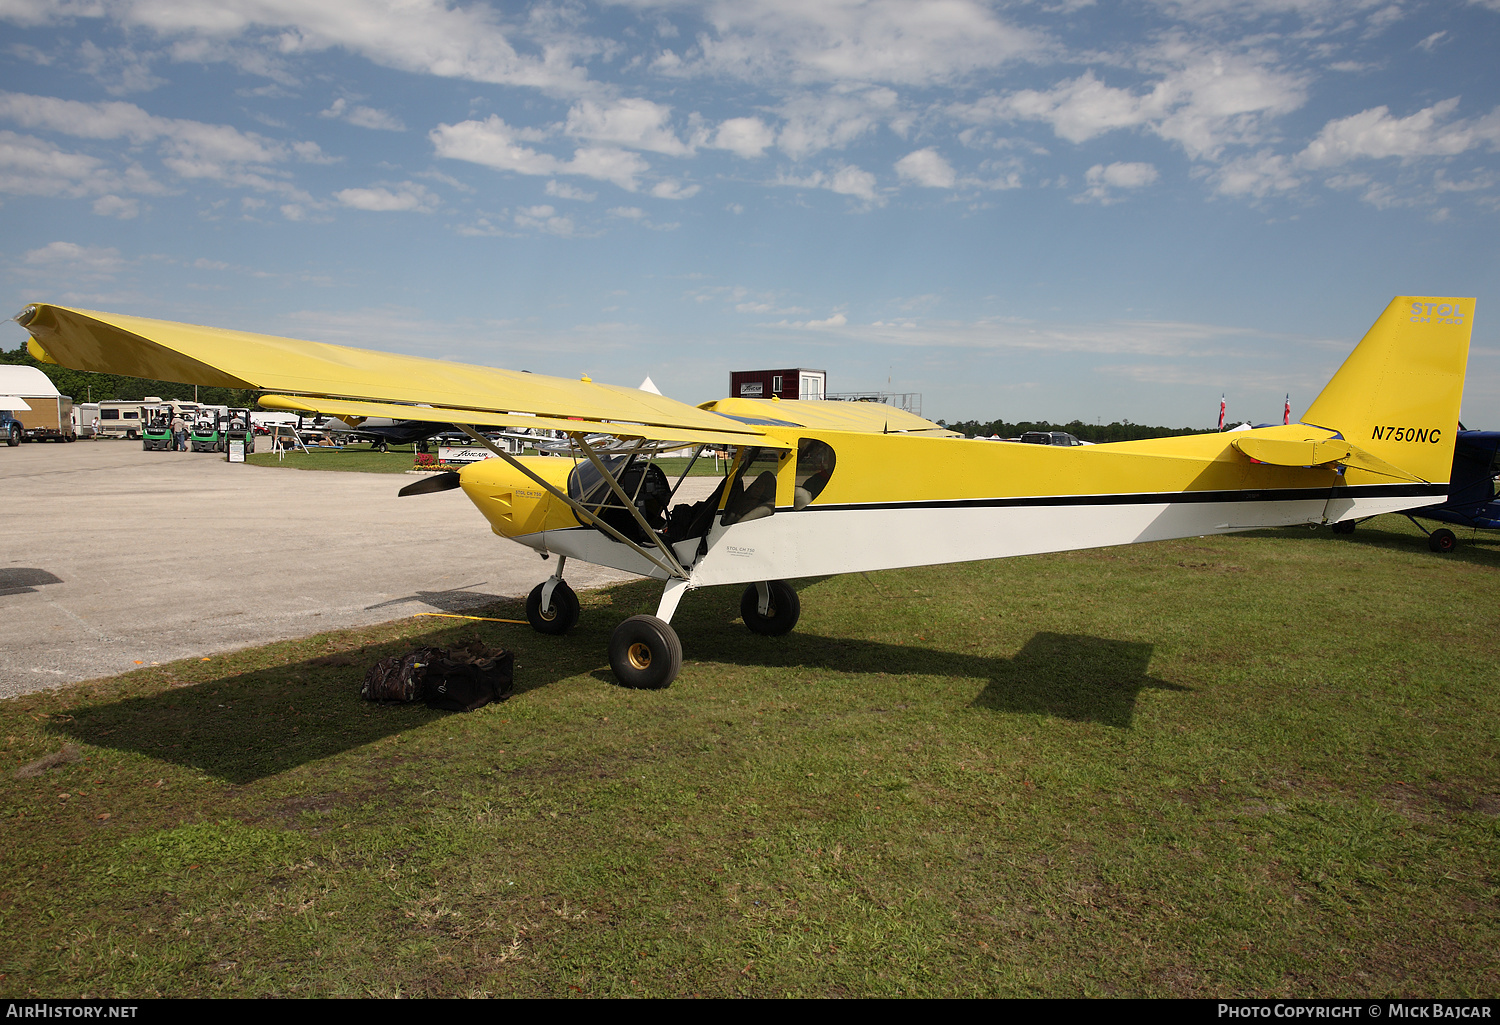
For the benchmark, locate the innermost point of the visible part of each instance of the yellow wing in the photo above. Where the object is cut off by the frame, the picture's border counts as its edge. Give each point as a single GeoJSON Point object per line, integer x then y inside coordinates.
{"type": "Point", "coordinates": [339, 380]}
{"type": "Point", "coordinates": [865, 417]}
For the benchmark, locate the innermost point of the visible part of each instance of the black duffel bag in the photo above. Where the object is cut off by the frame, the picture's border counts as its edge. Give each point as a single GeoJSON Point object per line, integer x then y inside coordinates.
{"type": "Point", "coordinates": [463, 679]}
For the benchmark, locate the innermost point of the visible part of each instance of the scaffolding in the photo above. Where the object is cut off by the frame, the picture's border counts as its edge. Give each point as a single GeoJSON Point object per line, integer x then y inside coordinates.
{"type": "Point", "coordinates": [911, 401]}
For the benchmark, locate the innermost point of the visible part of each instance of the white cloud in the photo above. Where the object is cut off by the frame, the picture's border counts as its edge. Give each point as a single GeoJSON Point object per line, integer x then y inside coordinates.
{"type": "Point", "coordinates": [607, 164]}
{"type": "Point", "coordinates": [837, 320]}
{"type": "Point", "coordinates": [1375, 134]}
{"type": "Point", "coordinates": [848, 180]}
{"type": "Point", "coordinates": [1102, 178]}
{"type": "Point", "coordinates": [562, 190]}
{"type": "Point", "coordinates": [544, 218]}
{"type": "Point", "coordinates": [1256, 174]}
{"type": "Point", "coordinates": [33, 167]}
{"type": "Point", "coordinates": [95, 261]}
{"type": "Point", "coordinates": [634, 123]}
{"type": "Point", "coordinates": [494, 143]}
{"type": "Point", "coordinates": [927, 43]}
{"type": "Point", "coordinates": [1432, 41]}
{"type": "Point", "coordinates": [926, 167]}
{"type": "Point", "coordinates": [1205, 101]}
{"type": "Point", "coordinates": [120, 70]}
{"type": "Point", "coordinates": [114, 206]}
{"type": "Point", "coordinates": [407, 196]}
{"type": "Point", "coordinates": [190, 149]}
{"type": "Point", "coordinates": [815, 122]}
{"type": "Point", "coordinates": [747, 137]}
{"type": "Point", "coordinates": [363, 117]}
{"type": "Point", "coordinates": [630, 213]}
{"type": "Point", "coordinates": [670, 189]}
{"type": "Point", "coordinates": [424, 36]}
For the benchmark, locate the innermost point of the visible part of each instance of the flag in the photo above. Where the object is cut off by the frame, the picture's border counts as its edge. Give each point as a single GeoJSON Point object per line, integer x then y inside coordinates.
{"type": "Point", "coordinates": [1286, 414]}
{"type": "Point", "coordinates": [1221, 412]}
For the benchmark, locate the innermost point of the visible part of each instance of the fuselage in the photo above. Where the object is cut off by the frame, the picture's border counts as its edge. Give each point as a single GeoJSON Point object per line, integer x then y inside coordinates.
{"type": "Point", "coordinates": [891, 500]}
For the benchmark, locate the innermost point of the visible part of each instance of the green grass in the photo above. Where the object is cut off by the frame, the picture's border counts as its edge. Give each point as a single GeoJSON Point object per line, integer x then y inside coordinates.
{"type": "Point", "coordinates": [357, 458]}
{"type": "Point", "coordinates": [1253, 765]}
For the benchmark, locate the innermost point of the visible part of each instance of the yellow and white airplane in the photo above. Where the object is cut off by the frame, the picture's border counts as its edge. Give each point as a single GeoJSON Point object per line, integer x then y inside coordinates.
{"type": "Point", "coordinates": [817, 488]}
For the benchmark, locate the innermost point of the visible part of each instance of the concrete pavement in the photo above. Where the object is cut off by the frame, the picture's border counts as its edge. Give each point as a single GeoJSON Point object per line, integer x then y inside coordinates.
{"type": "Point", "coordinates": [109, 555]}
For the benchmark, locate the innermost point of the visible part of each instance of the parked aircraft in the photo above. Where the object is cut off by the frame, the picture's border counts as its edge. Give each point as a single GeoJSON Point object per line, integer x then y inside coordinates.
{"type": "Point", "coordinates": [819, 487]}
{"type": "Point", "coordinates": [1471, 492]}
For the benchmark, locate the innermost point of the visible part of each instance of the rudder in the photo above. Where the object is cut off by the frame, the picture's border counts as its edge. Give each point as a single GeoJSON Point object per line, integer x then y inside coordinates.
{"type": "Point", "coordinates": [1398, 394]}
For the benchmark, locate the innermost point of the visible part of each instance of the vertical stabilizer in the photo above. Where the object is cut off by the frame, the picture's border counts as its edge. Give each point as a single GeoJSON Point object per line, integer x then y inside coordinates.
{"type": "Point", "coordinates": [1397, 396]}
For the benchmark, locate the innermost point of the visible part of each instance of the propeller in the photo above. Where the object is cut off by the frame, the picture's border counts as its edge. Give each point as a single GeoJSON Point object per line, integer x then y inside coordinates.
{"type": "Point", "coordinates": [437, 482]}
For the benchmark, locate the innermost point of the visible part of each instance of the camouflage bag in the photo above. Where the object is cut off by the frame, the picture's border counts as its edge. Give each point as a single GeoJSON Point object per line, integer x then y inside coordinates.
{"type": "Point", "coordinates": [399, 677]}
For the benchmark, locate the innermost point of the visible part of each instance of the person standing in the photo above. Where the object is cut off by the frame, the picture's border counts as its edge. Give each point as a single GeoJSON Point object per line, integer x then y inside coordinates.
{"type": "Point", "coordinates": [179, 433]}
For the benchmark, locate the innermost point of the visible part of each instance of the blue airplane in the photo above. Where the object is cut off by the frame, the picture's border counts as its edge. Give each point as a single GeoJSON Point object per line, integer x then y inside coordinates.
{"type": "Point", "coordinates": [1471, 492]}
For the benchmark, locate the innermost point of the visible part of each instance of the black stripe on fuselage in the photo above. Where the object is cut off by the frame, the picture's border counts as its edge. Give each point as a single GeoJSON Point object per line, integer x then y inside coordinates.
{"type": "Point", "coordinates": [1156, 498]}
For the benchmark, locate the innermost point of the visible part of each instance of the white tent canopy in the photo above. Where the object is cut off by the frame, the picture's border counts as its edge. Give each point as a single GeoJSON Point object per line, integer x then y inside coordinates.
{"type": "Point", "coordinates": [26, 381]}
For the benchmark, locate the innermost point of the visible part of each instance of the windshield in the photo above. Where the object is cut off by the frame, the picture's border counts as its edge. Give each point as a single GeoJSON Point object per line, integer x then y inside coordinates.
{"type": "Point", "coordinates": [585, 484]}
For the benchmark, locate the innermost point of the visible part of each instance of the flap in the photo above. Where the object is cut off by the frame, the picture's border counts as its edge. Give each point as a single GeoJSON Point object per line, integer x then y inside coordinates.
{"type": "Point", "coordinates": [483, 418]}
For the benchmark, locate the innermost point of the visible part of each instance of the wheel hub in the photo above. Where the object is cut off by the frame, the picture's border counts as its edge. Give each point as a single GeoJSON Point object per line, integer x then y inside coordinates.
{"type": "Point", "coordinates": [639, 655]}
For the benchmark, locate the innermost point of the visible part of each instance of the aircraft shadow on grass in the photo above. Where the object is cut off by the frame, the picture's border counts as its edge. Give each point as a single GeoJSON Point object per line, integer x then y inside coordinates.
{"type": "Point", "coordinates": [258, 724]}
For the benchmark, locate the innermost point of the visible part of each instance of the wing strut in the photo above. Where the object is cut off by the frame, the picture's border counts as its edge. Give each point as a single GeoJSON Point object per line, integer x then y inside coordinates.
{"type": "Point", "coordinates": [614, 486]}
{"type": "Point", "coordinates": [674, 569]}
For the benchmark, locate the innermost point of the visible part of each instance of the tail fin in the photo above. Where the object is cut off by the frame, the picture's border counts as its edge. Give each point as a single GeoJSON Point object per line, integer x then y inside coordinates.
{"type": "Point", "coordinates": [1397, 396]}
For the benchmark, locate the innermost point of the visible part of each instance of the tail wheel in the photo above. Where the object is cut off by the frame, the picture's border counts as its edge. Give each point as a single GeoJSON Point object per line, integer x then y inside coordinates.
{"type": "Point", "coordinates": [561, 617]}
{"type": "Point", "coordinates": [1344, 527]}
{"type": "Point", "coordinates": [1442, 541]}
{"type": "Point", "coordinates": [645, 653]}
{"type": "Point", "coordinates": [782, 614]}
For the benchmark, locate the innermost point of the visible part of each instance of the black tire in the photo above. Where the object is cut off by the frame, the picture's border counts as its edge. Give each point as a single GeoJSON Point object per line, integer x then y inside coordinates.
{"type": "Point", "coordinates": [12, 438]}
{"type": "Point", "coordinates": [1344, 527]}
{"type": "Point", "coordinates": [1442, 541]}
{"type": "Point", "coordinates": [562, 617]}
{"type": "Point", "coordinates": [645, 653]}
{"type": "Point", "coordinates": [785, 610]}
{"type": "Point", "coordinates": [70, 438]}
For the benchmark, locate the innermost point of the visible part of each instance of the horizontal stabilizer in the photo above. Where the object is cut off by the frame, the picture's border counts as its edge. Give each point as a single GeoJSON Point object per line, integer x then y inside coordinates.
{"type": "Point", "coordinates": [1289, 452]}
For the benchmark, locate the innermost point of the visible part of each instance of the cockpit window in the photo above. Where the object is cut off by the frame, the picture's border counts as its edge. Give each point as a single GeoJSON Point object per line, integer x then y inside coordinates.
{"type": "Point", "coordinates": [815, 461]}
{"type": "Point", "coordinates": [643, 481]}
{"type": "Point", "coordinates": [585, 483]}
{"type": "Point", "coordinates": [752, 492]}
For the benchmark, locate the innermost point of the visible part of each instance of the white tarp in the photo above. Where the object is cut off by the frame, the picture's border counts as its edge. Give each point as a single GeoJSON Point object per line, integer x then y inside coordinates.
{"type": "Point", "coordinates": [14, 403]}
{"type": "Point", "coordinates": [26, 381]}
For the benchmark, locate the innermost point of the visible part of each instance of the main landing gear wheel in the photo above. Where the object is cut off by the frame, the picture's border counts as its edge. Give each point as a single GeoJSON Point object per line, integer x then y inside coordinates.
{"type": "Point", "coordinates": [784, 611]}
{"type": "Point", "coordinates": [645, 653]}
{"type": "Point", "coordinates": [1442, 541]}
{"type": "Point", "coordinates": [1344, 527]}
{"type": "Point", "coordinates": [561, 617]}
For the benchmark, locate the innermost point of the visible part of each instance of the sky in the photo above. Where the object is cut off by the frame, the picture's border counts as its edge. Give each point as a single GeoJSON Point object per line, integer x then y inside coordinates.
{"type": "Point", "coordinates": [1056, 210]}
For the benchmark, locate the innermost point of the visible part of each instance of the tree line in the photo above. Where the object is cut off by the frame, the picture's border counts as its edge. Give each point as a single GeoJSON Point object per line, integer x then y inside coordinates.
{"type": "Point", "coordinates": [84, 386]}
{"type": "Point", "coordinates": [1096, 433]}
